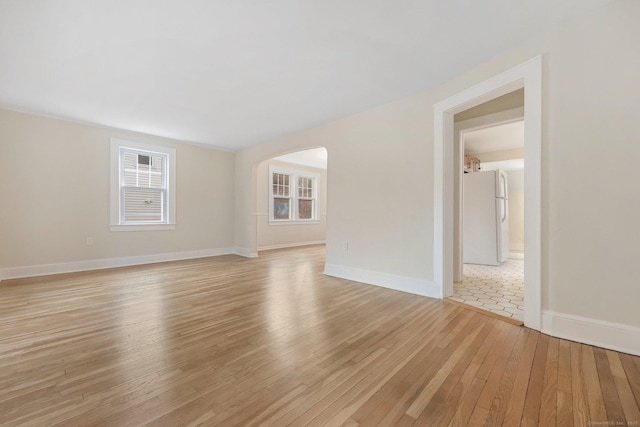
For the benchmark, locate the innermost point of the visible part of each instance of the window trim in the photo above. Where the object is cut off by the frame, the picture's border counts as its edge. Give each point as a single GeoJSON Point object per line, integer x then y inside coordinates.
{"type": "Point", "coordinates": [115, 176]}
{"type": "Point", "coordinates": [294, 175]}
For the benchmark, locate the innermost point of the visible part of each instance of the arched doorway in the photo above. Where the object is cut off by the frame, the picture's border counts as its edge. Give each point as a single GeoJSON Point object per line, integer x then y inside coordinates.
{"type": "Point", "coordinates": [291, 199]}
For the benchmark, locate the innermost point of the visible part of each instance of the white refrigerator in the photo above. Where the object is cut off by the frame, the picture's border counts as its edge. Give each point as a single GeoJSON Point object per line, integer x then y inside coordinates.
{"type": "Point", "coordinates": [485, 232]}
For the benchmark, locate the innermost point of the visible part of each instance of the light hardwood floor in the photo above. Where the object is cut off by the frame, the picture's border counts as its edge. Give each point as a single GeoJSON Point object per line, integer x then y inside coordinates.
{"type": "Point", "coordinates": [234, 341]}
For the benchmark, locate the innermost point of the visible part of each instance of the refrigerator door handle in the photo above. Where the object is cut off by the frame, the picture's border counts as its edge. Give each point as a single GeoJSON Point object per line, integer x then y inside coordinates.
{"type": "Point", "coordinates": [505, 208]}
{"type": "Point", "coordinates": [505, 190]}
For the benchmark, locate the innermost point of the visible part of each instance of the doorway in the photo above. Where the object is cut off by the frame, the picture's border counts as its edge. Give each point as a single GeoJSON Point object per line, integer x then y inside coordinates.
{"type": "Point", "coordinates": [291, 191]}
{"type": "Point", "coordinates": [527, 75]}
{"type": "Point", "coordinates": [490, 273]}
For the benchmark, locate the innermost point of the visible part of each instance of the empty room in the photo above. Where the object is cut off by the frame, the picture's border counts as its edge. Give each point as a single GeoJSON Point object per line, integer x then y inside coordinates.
{"type": "Point", "coordinates": [257, 213]}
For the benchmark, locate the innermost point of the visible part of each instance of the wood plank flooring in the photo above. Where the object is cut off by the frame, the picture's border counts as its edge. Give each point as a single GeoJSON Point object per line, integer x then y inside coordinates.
{"type": "Point", "coordinates": [272, 341]}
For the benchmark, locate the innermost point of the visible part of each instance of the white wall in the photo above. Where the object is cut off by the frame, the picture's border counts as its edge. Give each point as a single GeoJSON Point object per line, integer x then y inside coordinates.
{"type": "Point", "coordinates": [54, 193]}
{"type": "Point", "coordinates": [380, 195]}
{"type": "Point", "coordinates": [280, 236]}
{"type": "Point", "coordinates": [378, 191]}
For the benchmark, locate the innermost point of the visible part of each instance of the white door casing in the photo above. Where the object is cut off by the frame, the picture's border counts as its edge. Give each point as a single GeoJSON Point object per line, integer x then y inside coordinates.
{"type": "Point", "coordinates": [529, 76]}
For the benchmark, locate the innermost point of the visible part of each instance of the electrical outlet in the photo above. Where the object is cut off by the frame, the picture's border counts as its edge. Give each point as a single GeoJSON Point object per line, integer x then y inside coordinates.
{"type": "Point", "coordinates": [89, 241]}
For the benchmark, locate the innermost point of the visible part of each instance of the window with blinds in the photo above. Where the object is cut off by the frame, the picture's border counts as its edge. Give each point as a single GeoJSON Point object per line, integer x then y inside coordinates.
{"type": "Point", "coordinates": [143, 187]}
{"type": "Point", "coordinates": [293, 196]}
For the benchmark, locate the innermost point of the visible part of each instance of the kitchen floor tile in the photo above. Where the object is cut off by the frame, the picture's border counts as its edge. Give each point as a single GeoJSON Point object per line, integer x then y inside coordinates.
{"type": "Point", "coordinates": [498, 289]}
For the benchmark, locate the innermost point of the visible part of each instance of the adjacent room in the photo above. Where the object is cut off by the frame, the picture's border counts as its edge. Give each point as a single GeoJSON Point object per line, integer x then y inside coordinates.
{"type": "Point", "coordinates": [491, 138]}
{"type": "Point", "coordinates": [319, 213]}
{"type": "Point", "coordinates": [292, 200]}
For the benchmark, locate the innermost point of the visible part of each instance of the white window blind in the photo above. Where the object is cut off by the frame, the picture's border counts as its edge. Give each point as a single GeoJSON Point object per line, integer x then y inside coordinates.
{"type": "Point", "coordinates": [143, 187]}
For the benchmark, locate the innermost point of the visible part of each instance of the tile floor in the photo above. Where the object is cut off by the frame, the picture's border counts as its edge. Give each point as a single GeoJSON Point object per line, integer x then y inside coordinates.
{"type": "Point", "coordinates": [498, 289]}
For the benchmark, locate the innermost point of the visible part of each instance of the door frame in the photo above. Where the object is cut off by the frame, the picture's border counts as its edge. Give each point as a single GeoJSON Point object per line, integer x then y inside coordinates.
{"type": "Point", "coordinates": [529, 76]}
{"type": "Point", "coordinates": [460, 129]}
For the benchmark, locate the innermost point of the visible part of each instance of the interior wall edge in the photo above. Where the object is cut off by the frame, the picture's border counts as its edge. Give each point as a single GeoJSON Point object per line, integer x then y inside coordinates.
{"type": "Point", "coordinates": [426, 288]}
{"type": "Point", "coordinates": [244, 252]}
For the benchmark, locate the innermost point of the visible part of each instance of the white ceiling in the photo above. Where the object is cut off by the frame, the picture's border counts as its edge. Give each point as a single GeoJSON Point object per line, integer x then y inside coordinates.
{"type": "Point", "coordinates": [315, 158]}
{"type": "Point", "coordinates": [232, 74]}
{"type": "Point", "coordinates": [496, 138]}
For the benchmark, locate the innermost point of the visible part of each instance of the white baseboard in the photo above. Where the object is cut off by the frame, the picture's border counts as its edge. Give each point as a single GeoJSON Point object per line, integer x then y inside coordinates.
{"type": "Point", "coordinates": [290, 245]}
{"type": "Point", "coordinates": [425, 288]}
{"type": "Point", "coordinates": [99, 264]}
{"type": "Point", "coordinates": [614, 336]}
{"type": "Point", "coordinates": [244, 252]}
{"type": "Point", "coordinates": [516, 255]}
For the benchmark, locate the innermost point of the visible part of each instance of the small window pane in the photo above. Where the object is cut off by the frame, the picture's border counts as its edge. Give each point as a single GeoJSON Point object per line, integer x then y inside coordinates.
{"type": "Point", "coordinates": [130, 161]}
{"type": "Point", "coordinates": [156, 164]}
{"type": "Point", "coordinates": [305, 187]}
{"type": "Point", "coordinates": [130, 178]}
{"type": "Point", "coordinates": [305, 209]}
{"type": "Point", "coordinates": [143, 179]}
{"type": "Point", "coordinates": [280, 184]}
{"type": "Point", "coordinates": [155, 180]}
{"type": "Point", "coordinates": [281, 208]}
{"type": "Point", "coordinates": [144, 160]}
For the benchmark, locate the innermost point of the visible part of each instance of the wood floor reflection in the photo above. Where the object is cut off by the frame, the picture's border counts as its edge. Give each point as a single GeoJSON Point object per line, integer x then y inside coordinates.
{"type": "Point", "coordinates": [272, 341]}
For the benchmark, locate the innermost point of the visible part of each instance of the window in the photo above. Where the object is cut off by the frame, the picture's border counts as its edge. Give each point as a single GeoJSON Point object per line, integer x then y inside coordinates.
{"type": "Point", "coordinates": [142, 186]}
{"type": "Point", "coordinates": [293, 196]}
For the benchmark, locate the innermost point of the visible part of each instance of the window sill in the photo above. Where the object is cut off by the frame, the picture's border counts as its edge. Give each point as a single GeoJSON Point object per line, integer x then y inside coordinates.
{"type": "Point", "coordinates": [143, 227]}
{"type": "Point", "coordinates": [310, 222]}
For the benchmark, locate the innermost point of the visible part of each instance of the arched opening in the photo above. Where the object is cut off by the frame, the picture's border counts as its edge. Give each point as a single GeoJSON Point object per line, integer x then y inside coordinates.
{"type": "Point", "coordinates": [291, 199]}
